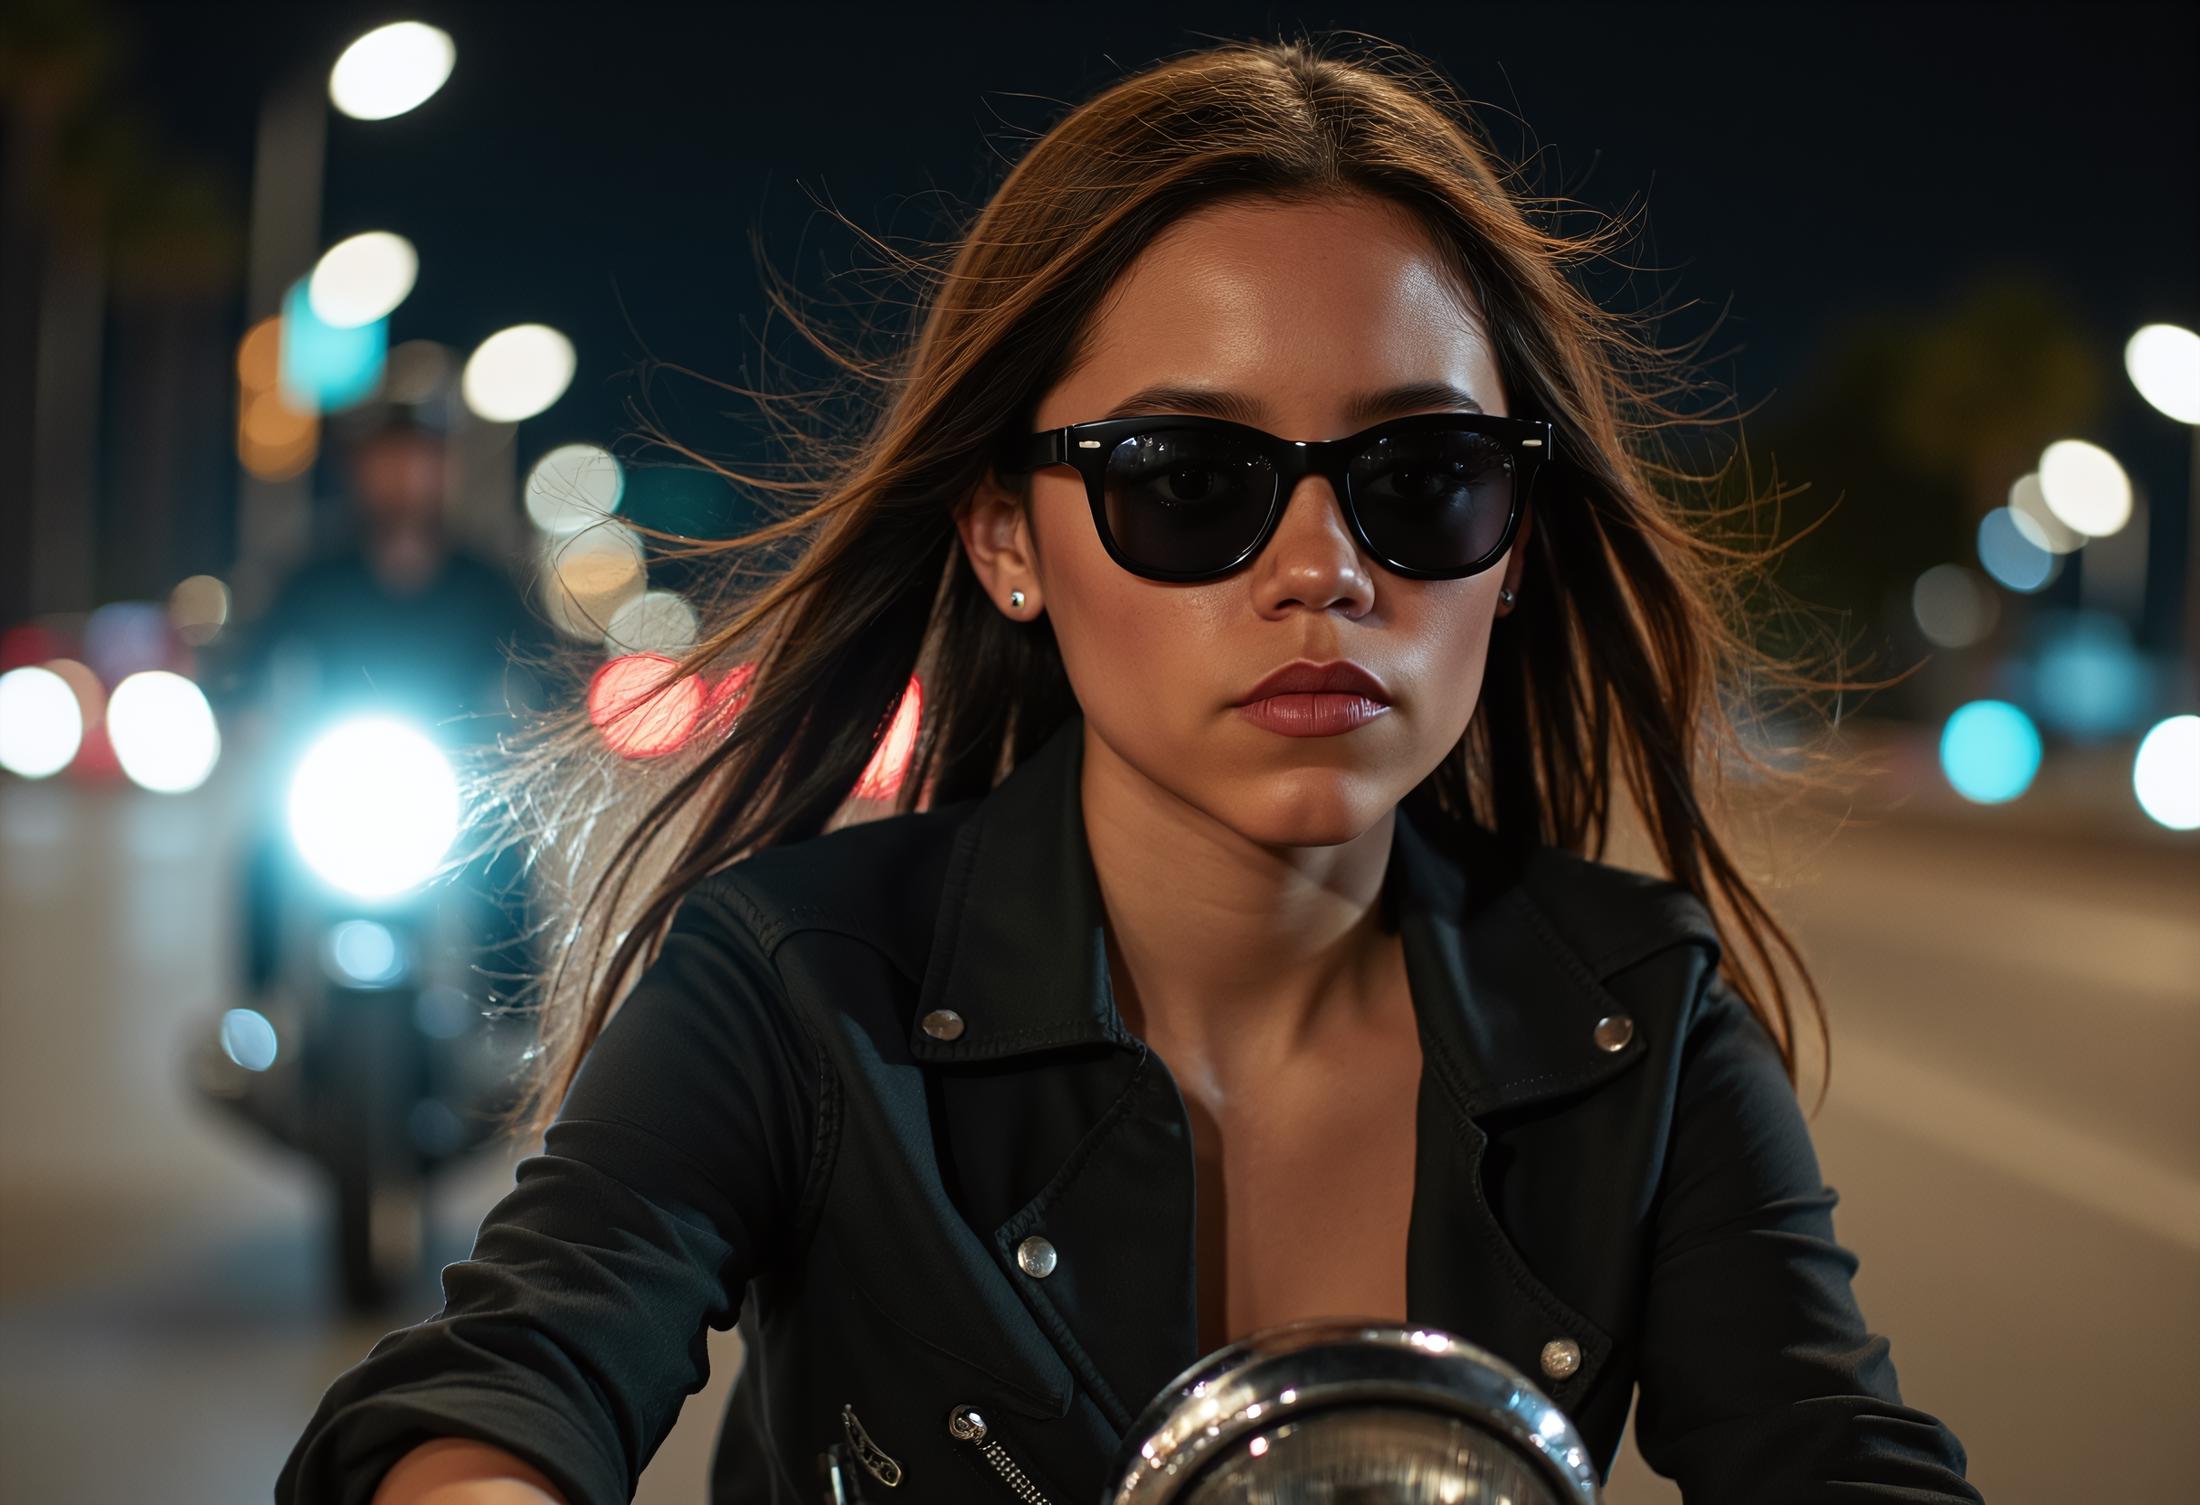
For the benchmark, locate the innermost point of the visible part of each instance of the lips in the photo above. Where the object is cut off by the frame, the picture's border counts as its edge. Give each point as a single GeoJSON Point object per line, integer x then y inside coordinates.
{"type": "Point", "coordinates": [1304, 677]}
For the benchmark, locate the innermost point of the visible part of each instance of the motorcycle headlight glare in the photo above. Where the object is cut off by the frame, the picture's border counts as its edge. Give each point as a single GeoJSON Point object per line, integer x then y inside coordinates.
{"type": "Point", "coordinates": [373, 807]}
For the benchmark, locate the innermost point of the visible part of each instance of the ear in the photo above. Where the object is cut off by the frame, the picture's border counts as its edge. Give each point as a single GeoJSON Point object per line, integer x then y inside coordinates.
{"type": "Point", "coordinates": [1516, 560]}
{"type": "Point", "coordinates": [995, 526]}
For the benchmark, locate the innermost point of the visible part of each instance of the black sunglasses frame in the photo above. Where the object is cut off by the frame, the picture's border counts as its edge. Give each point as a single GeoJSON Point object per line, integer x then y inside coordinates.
{"type": "Point", "coordinates": [1087, 446]}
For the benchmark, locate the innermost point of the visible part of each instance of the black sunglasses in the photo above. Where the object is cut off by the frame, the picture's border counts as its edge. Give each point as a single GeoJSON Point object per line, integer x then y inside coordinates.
{"type": "Point", "coordinates": [1433, 496]}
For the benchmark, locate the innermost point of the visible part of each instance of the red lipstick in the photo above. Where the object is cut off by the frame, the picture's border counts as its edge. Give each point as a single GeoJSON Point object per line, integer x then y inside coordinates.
{"type": "Point", "coordinates": [1306, 699]}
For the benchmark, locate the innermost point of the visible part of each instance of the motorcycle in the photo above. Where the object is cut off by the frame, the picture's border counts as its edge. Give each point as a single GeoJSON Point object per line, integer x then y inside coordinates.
{"type": "Point", "coordinates": [366, 1047]}
{"type": "Point", "coordinates": [1328, 1411]}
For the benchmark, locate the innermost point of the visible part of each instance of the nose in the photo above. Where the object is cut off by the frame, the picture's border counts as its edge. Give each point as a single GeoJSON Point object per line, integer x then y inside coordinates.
{"type": "Point", "coordinates": [1313, 559]}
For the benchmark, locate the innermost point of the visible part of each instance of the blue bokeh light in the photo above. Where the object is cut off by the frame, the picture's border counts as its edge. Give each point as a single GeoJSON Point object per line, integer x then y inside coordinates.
{"type": "Point", "coordinates": [1990, 751]}
{"type": "Point", "coordinates": [323, 368]}
{"type": "Point", "coordinates": [2010, 557]}
{"type": "Point", "coordinates": [365, 954]}
{"type": "Point", "coordinates": [2088, 679]}
{"type": "Point", "coordinates": [248, 1038]}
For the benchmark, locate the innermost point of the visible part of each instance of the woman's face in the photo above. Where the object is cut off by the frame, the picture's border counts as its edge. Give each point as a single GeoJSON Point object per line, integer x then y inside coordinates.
{"type": "Point", "coordinates": [1299, 309]}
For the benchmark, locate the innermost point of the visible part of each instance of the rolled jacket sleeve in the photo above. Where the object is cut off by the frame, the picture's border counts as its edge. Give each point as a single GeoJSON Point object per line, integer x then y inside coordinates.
{"type": "Point", "coordinates": [576, 1329]}
{"type": "Point", "coordinates": [1759, 1379]}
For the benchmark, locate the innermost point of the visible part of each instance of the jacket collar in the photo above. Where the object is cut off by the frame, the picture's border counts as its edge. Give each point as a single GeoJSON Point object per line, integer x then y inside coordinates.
{"type": "Point", "coordinates": [1506, 954]}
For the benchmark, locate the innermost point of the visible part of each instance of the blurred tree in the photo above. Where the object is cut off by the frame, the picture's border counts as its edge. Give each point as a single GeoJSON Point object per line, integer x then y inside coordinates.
{"type": "Point", "coordinates": [1909, 429]}
{"type": "Point", "coordinates": [114, 242]}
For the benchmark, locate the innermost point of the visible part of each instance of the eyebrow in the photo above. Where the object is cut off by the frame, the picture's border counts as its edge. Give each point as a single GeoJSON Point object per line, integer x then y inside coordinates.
{"type": "Point", "coordinates": [1363, 408]}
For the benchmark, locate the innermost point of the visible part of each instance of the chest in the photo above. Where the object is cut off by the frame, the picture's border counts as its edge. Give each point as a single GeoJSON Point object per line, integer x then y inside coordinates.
{"type": "Point", "coordinates": [1303, 1186]}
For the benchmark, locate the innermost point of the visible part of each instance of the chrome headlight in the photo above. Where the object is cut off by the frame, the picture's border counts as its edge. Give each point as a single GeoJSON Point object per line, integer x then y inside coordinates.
{"type": "Point", "coordinates": [1338, 1412]}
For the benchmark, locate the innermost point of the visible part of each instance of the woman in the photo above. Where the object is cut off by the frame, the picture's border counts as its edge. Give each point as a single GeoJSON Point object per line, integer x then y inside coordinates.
{"type": "Point", "coordinates": [1260, 496]}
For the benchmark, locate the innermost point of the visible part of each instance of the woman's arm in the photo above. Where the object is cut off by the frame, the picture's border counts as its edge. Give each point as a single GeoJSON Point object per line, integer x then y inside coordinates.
{"type": "Point", "coordinates": [1760, 1380]}
{"type": "Point", "coordinates": [450, 1472]}
{"type": "Point", "coordinates": [571, 1336]}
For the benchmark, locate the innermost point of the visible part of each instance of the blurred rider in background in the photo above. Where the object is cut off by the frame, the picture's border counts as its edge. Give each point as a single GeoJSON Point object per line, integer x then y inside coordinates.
{"type": "Point", "coordinates": [396, 617]}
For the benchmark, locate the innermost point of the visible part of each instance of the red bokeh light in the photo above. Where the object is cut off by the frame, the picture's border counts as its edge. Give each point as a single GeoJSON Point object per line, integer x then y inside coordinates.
{"type": "Point", "coordinates": [726, 699]}
{"type": "Point", "coordinates": [639, 714]}
{"type": "Point", "coordinates": [29, 643]}
{"type": "Point", "coordinates": [882, 776]}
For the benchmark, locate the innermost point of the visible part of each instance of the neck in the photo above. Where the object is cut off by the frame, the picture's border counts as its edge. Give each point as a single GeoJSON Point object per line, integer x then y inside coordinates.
{"type": "Point", "coordinates": [1228, 954]}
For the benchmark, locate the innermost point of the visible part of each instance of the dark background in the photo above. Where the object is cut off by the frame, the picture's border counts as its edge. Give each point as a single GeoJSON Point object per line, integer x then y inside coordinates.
{"type": "Point", "coordinates": [1824, 191]}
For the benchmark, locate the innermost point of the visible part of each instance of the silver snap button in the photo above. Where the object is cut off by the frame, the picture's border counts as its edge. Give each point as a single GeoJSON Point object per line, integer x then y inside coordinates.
{"type": "Point", "coordinates": [943, 1024]}
{"type": "Point", "coordinates": [1036, 1257]}
{"type": "Point", "coordinates": [1614, 1031]}
{"type": "Point", "coordinates": [1561, 1357]}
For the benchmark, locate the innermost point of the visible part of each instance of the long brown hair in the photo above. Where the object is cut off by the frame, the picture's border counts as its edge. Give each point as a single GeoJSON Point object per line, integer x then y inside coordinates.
{"type": "Point", "coordinates": [1629, 644]}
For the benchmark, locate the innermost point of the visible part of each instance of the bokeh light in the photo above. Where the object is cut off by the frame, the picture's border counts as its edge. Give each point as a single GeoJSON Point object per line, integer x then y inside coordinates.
{"type": "Point", "coordinates": [883, 775]}
{"type": "Point", "coordinates": [198, 608]}
{"type": "Point", "coordinates": [653, 622]}
{"type": "Point", "coordinates": [1989, 751]}
{"type": "Point", "coordinates": [418, 372]}
{"type": "Point", "coordinates": [364, 954]}
{"type": "Point", "coordinates": [517, 372]}
{"type": "Point", "coordinates": [374, 806]}
{"type": "Point", "coordinates": [41, 725]}
{"type": "Point", "coordinates": [573, 487]}
{"type": "Point", "coordinates": [2011, 558]}
{"type": "Point", "coordinates": [259, 354]}
{"type": "Point", "coordinates": [275, 440]}
{"type": "Point", "coordinates": [163, 732]}
{"type": "Point", "coordinates": [722, 712]}
{"type": "Point", "coordinates": [2028, 509]}
{"type": "Point", "coordinates": [91, 694]}
{"type": "Point", "coordinates": [362, 278]}
{"type": "Point", "coordinates": [590, 575]}
{"type": "Point", "coordinates": [2165, 774]}
{"type": "Point", "coordinates": [2163, 361]}
{"type": "Point", "coordinates": [269, 422]}
{"type": "Point", "coordinates": [2085, 487]}
{"type": "Point", "coordinates": [327, 367]}
{"type": "Point", "coordinates": [249, 1039]}
{"type": "Point", "coordinates": [391, 69]}
{"type": "Point", "coordinates": [641, 711]}
{"type": "Point", "coordinates": [1954, 607]}
{"type": "Point", "coordinates": [123, 637]}
{"type": "Point", "coordinates": [2088, 679]}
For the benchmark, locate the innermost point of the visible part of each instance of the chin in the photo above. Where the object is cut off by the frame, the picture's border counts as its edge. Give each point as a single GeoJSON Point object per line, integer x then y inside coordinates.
{"type": "Point", "coordinates": [1308, 807]}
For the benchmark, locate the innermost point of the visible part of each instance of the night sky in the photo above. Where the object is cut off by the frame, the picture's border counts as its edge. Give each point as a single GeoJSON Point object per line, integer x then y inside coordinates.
{"type": "Point", "coordinates": [603, 168]}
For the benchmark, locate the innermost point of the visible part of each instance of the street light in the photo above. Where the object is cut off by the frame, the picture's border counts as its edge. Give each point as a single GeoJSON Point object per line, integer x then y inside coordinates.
{"type": "Point", "coordinates": [2163, 361]}
{"type": "Point", "coordinates": [391, 69]}
{"type": "Point", "coordinates": [383, 73]}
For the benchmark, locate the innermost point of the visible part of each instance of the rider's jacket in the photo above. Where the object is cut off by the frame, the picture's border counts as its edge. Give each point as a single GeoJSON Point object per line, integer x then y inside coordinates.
{"type": "Point", "coordinates": [874, 1101]}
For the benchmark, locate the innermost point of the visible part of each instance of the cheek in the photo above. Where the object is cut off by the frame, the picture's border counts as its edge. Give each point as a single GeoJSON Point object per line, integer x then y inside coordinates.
{"type": "Point", "coordinates": [1446, 630]}
{"type": "Point", "coordinates": [1132, 647]}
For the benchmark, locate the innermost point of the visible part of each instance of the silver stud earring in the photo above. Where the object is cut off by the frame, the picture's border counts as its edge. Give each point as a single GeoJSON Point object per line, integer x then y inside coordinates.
{"type": "Point", "coordinates": [1505, 595]}
{"type": "Point", "coordinates": [1015, 598]}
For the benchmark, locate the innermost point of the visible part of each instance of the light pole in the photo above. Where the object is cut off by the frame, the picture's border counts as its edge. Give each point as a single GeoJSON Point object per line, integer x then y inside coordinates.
{"type": "Point", "coordinates": [384, 73]}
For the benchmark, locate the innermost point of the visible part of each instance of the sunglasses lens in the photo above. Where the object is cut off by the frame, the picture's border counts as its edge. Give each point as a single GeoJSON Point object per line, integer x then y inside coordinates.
{"type": "Point", "coordinates": [1434, 499]}
{"type": "Point", "coordinates": [1186, 500]}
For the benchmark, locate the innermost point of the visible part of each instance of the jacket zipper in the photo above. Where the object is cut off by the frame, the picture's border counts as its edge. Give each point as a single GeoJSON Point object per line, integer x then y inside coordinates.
{"type": "Point", "coordinates": [965, 1425]}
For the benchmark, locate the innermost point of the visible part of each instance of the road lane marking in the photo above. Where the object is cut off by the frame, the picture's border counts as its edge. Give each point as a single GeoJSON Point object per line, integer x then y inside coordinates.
{"type": "Point", "coordinates": [2015, 1138]}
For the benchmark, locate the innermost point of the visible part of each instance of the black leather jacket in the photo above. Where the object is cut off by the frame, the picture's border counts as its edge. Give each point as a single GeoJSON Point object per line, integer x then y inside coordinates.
{"type": "Point", "coordinates": [1614, 1186]}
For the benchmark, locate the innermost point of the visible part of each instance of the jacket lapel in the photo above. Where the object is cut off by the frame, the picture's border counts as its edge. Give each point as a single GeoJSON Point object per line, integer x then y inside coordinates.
{"type": "Point", "coordinates": [1060, 1126]}
{"type": "Point", "coordinates": [1507, 955]}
